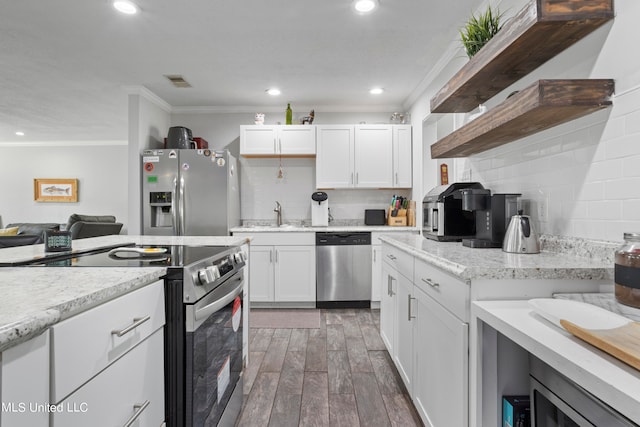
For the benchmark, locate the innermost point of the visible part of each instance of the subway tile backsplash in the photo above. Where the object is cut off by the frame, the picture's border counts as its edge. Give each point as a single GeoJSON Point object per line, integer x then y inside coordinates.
{"type": "Point", "coordinates": [260, 187]}
{"type": "Point", "coordinates": [579, 179]}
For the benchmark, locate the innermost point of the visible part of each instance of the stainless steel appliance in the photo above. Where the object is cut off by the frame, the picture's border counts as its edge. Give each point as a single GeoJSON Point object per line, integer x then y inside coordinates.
{"type": "Point", "coordinates": [520, 236]}
{"type": "Point", "coordinates": [203, 334]}
{"type": "Point", "coordinates": [492, 215]}
{"type": "Point", "coordinates": [189, 192]}
{"type": "Point", "coordinates": [557, 401]}
{"type": "Point", "coordinates": [343, 270]}
{"type": "Point", "coordinates": [443, 217]}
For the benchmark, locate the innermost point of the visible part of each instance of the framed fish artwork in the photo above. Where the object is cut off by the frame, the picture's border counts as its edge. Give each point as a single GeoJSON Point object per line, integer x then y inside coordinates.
{"type": "Point", "coordinates": [55, 189]}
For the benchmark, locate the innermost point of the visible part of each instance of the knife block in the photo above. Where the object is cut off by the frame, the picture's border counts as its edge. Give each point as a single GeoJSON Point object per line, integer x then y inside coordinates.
{"type": "Point", "coordinates": [398, 220]}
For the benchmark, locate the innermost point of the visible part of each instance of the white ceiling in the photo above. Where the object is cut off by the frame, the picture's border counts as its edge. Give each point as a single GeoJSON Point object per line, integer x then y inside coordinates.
{"type": "Point", "coordinates": [67, 65]}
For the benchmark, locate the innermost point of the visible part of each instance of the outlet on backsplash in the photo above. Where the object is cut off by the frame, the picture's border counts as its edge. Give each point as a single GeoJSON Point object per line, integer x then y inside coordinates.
{"type": "Point", "coordinates": [542, 211]}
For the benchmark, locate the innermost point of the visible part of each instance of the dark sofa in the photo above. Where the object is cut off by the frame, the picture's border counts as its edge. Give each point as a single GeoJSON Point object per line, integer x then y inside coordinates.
{"type": "Point", "coordinates": [29, 233]}
{"type": "Point", "coordinates": [83, 226]}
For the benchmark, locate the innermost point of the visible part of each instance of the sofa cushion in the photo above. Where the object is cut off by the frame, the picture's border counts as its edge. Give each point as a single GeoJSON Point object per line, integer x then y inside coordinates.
{"type": "Point", "coordinates": [89, 218]}
{"type": "Point", "coordinates": [35, 228]}
{"type": "Point", "coordinates": [10, 231]}
{"type": "Point", "coordinates": [19, 240]}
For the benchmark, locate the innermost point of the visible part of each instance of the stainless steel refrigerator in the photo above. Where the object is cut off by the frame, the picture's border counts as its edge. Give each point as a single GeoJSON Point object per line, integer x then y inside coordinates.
{"type": "Point", "coordinates": [189, 192]}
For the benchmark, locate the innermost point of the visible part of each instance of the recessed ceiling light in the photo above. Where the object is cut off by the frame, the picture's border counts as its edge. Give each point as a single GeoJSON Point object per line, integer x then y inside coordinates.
{"type": "Point", "coordinates": [376, 91]}
{"type": "Point", "coordinates": [125, 6]}
{"type": "Point", "coordinates": [365, 6]}
{"type": "Point", "coordinates": [19, 133]}
{"type": "Point", "coordinates": [273, 91]}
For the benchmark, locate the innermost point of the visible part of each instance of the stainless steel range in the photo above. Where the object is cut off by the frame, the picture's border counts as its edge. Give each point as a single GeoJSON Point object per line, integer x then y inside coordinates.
{"type": "Point", "coordinates": [204, 323]}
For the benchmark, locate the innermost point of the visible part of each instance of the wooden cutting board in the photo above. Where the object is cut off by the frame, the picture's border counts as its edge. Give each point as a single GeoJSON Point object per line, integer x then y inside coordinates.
{"type": "Point", "coordinates": [622, 342]}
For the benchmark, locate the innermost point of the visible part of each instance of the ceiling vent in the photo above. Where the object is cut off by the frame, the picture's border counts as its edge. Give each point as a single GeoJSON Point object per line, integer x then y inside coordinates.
{"type": "Point", "coordinates": [178, 81]}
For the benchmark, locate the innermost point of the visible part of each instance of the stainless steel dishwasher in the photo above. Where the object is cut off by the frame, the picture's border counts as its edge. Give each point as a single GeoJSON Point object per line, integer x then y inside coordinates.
{"type": "Point", "coordinates": [343, 270]}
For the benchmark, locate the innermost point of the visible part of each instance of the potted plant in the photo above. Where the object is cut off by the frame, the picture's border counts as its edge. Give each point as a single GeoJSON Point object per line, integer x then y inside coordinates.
{"type": "Point", "coordinates": [479, 30]}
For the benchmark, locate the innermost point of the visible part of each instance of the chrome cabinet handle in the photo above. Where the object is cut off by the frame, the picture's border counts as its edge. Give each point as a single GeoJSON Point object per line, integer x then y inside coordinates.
{"type": "Point", "coordinates": [396, 178]}
{"type": "Point", "coordinates": [271, 256]}
{"type": "Point", "coordinates": [431, 283]}
{"type": "Point", "coordinates": [137, 321]}
{"type": "Point", "coordinates": [352, 178]}
{"type": "Point", "coordinates": [409, 316]}
{"type": "Point", "coordinates": [389, 285]}
{"type": "Point", "coordinates": [277, 255]}
{"type": "Point", "coordinates": [391, 257]}
{"type": "Point", "coordinates": [139, 409]}
{"type": "Point", "coordinates": [357, 180]}
{"type": "Point", "coordinates": [275, 147]}
{"type": "Point", "coordinates": [374, 255]}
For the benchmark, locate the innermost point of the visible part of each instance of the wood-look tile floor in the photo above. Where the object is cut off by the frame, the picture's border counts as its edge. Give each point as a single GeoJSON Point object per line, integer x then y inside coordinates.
{"type": "Point", "coordinates": [337, 375]}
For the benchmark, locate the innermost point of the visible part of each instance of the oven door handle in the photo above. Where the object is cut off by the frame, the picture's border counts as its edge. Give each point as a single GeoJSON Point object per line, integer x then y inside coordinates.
{"type": "Point", "coordinates": [214, 302]}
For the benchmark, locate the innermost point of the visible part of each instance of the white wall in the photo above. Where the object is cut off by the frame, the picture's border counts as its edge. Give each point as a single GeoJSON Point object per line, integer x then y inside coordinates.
{"type": "Point", "coordinates": [259, 185]}
{"type": "Point", "coordinates": [582, 178]}
{"type": "Point", "coordinates": [148, 125]}
{"type": "Point", "coordinates": [101, 171]}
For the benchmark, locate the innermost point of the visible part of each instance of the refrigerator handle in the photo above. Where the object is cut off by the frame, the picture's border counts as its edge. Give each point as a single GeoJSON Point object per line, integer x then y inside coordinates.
{"type": "Point", "coordinates": [174, 205]}
{"type": "Point", "coordinates": [181, 213]}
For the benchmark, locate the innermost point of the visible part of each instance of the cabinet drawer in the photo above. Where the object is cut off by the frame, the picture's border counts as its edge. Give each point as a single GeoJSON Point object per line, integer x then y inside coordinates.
{"type": "Point", "coordinates": [109, 398]}
{"type": "Point", "coordinates": [84, 345]}
{"type": "Point", "coordinates": [401, 261]}
{"type": "Point", "coordinates": [447, 290]}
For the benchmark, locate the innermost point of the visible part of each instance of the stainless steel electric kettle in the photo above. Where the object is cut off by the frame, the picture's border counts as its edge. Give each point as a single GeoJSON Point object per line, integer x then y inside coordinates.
{"type": "Point", "coordinates": [520, 237]}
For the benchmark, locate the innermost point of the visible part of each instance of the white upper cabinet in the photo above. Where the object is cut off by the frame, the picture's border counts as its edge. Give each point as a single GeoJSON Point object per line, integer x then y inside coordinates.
{"type": "Point", "coordinates": [276, 140]}
{"type": "Point", "coordinates": [402, 170]}
{"type": "Point", "coordinates": [373, 156]}
{"type": "Point", "coordinates": [334, 160]}
{"type": "Point", "coordinates": [363, 156]}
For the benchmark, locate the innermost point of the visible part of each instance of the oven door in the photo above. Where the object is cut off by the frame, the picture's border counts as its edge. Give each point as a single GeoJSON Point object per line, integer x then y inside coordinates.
{"type": "Point", "coordinates": [213, 355]}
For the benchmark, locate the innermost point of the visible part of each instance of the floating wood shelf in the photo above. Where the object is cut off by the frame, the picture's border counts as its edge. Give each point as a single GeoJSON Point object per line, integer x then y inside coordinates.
{"type": "Point", "coordinates": [544, 104]}
{"type": "Point", "coordinates": [536, 34]}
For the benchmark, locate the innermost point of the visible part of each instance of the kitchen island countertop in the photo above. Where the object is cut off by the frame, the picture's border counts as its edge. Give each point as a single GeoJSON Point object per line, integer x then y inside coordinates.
{"type": "Point", "coordinates": [472, 264]}
{"type": "Point", "coordinates": [34, 298]}
{"type": "Point", "coordinates": [328, 229]}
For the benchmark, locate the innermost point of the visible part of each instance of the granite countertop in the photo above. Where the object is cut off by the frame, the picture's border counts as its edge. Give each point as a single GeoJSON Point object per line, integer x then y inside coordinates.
{"type": "Point", "coordinates": [34, 298]}
{"type": "Point", "coordinates": [469, 263]}
{"type": "Point", "coordinates": [309, 228]}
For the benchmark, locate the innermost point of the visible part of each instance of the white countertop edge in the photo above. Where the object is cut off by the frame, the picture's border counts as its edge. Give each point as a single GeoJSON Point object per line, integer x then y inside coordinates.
{"type": "Point", "coordinates": [604, 376]}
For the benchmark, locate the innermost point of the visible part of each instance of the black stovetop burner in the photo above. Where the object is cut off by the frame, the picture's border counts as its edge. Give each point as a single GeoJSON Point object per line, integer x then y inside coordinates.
{"type": "Point", "coordinates": [166, 256]}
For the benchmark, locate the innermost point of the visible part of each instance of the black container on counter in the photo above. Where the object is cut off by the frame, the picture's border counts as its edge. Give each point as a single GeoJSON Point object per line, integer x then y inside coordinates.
{"type": "Point", "coordinates": [57, 241]}
{"type": "Point", "coordinates": [627, 271]}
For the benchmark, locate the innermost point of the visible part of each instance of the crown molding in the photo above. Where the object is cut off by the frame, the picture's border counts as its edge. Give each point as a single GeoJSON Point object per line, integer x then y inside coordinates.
{"type": "Point", "coordinates": [62, 143]}
{"type": "Point", "coordinates": [149, 96]}
{"type": "Point", "coordinates": [279, 109]}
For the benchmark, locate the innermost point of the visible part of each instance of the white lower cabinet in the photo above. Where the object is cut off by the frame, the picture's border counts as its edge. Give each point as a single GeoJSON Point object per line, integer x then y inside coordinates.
{"type": "Point", "coordinates": [440, 372]}
{"type": "Point", "coordinates": [24, 375]}
{"type": "Point", "coordinates": [423, 324]}
{"type": "Point", "coordinates": [131, 387]}
{"type": "Point", "coordinates": [403, 356]}
{"type": "Point", "coordinates": [376, 272]}
{"type": "Point", "coordinates": [388, 307]}
{"type": "Point", "coordinates": [282, 267]}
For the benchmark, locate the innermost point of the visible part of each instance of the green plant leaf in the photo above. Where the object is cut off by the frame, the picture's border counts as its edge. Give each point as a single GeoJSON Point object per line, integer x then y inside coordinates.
{"type": "Point", "coordinates": [479, 30]}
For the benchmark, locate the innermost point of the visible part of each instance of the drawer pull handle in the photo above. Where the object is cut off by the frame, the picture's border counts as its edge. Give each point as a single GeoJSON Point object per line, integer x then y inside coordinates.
{"type": "Point", "coordinates": [139, 408]}
{"type": "Point", "coordinates": [391, 257]}
{"type": "Point", "coordinates": [136, 322]}
{"type": "Point", "coordinates": [431, 283]}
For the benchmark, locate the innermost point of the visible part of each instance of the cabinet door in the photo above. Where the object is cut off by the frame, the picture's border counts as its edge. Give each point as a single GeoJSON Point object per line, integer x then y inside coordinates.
{"type": "Point", "coordinates": [24, 376]}
{"type": "Point", "coordinates": [441, 376]}
{"type": "Point", "coordinates": [258, 140]}
{"type": "Point", "coordinates": [388, 307]}
{"type": "Point", "coordinates": [373, 156]}
{"type": "Point", "coordinates": [404, 331]}
{"type": "Point", "coordinates": [402, 156]}
{"type": "Point", "coordinates": [261, 262]}
{"type": "Point", "coordinates": [297, 140]}
{"type": "Point", "coordinates": [376, 272]}
{"type": "Point", "coordinates": [334, 158]}
{"type": "Point", "coordinates": [295, 273]}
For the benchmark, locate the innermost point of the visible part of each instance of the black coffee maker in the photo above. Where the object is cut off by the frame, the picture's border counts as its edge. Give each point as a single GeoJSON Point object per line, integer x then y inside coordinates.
{"type": "Point", "coordinates": [492, 214]}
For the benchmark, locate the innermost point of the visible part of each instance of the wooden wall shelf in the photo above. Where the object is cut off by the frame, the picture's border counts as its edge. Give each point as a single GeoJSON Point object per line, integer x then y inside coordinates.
{"type": "Point", "coordinates": [536, 34]}
{"type": "Point", "coordinates": [544, 104]}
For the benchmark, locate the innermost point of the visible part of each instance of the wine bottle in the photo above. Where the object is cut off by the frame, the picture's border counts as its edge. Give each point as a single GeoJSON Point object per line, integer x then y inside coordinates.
{"type": "Point", "coordinates": [289, 117]}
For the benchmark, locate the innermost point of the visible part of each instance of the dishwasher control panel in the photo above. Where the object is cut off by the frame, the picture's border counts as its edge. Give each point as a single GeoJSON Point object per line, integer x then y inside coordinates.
{"type": "Point", "coordinates": [343, 239]}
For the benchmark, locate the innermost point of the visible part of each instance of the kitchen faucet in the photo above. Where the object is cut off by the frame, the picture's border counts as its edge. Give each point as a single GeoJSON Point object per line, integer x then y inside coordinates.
{"type": "Point", "coordinates": [278, 210]}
